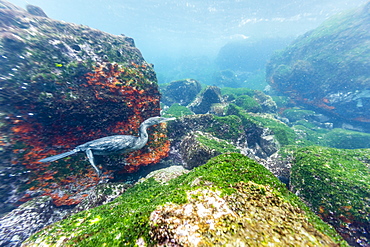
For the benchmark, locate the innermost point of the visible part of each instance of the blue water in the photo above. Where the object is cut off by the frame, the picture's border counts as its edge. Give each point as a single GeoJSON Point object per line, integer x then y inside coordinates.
{"type": "Point", "coordinates": [188, 35]}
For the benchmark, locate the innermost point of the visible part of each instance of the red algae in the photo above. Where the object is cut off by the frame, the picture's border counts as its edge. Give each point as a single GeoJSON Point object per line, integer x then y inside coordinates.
{"type": "Point", "coordinates": [116, 88]}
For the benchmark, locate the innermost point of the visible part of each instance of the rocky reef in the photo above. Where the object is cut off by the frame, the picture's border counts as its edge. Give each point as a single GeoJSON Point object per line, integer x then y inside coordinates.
{"type": "Point", "coordinates": [62, 85]}
{"type": "Point", "coordinates": [328, 69]}
{"type": "Point", "coordinates": [227, 153]}
{"type": "Point", "coordinates": [223, 202]}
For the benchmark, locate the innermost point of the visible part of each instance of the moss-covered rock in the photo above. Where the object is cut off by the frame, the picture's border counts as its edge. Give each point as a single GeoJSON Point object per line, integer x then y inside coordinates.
{"type": "Point", "coordinates": [250, 100]}
{"type": "Point", "coordinates": [198, 147]}
{"type": "Point", "coordinates": [165, 174]}
{"type": "Point", "coordinates": [328, 68]}
{"type": "Point", "coordinates": [219, 201]}
{"type": "Point", "coordinates": [181, 92]}
{"type": "Point", "coordinates": [62, 85]}
{"type": "Point", "coordinates": [296, 114]}
{"type": "Point", "coordinates": [341, 138]}
{"type": "Point", "coordinates": [202, 104]}
{"type": "Point", "coordinates": [229, 128]}
{"type": "Point", "coordinates": [310, 134]}
{"type": "Point", "coordinates": [335, 184]}
{"type": "Point", "coordinates": [177, 110]}
{"type": "Point", "coordinates": [282, 132]}
{"type": "Point", "coordinates": [248, 103]}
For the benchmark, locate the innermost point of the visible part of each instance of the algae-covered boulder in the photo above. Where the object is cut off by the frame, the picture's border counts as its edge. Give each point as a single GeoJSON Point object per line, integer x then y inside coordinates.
{"type": "Point", "coordinates": [63, 85]}
{"type": "Point", "coordinates": [259, 124]}
{"type": "Point", "coordinates": [198, 147]}
{"type": "Point", "coordinates": [335, 184]}
{"type": "Point", "coordinates": [256, 136]}
{"type": "Point", "coordinates": [231, 200]}
{"type": "Point", "coordinates": [202, 104]}
{"type": "Point", "coordinates": [177, 110]}
{"type": "Point", "coordinates": [229, 128]}
{"type": "Point", "coordinates": [182, 92]}
{"type": "Point", "coordinates": [250, 100]}
{"type": "Point", "coordinates": [329, 68]}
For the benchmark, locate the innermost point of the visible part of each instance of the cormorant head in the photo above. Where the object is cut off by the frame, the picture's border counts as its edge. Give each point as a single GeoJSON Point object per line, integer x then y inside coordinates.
{"type": "Point", "coordinates": [156, 120]}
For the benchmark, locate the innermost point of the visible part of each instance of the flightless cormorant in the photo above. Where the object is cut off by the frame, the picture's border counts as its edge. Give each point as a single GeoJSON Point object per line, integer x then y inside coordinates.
{"type": "Point", "coordinates": [116, 144]}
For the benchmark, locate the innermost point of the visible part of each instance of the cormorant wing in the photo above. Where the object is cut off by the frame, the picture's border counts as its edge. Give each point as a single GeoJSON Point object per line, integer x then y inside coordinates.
{"type": "Point", "coordinates": [110, 144]}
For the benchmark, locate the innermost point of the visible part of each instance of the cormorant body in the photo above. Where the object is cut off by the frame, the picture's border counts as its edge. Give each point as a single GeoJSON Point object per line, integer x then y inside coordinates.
{"type": "Point", "coordinates": [116, 144]}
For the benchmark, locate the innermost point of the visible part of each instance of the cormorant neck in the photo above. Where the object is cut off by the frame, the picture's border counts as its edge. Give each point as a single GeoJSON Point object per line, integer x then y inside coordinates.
{"type": "Point", "coordinates": [143, 136]}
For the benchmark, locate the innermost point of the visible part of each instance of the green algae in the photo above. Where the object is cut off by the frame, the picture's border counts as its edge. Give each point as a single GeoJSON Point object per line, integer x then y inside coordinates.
{"type": "Point", "coordinates": [126, 219]}
{"type": "Point", "coordinates": [296, 114]}
{"type": "Point", "coordinates": [334, 181]}
{"type": "Point", "coordinates": [255, 201]}
{"type": "Point", "coordinates": [309, 134]}
{"type": "Point", "coordinates": [283, 133]}
{"type": "Point", "coordinates": [219, 146]}
{"type": "Point", "coordinates": [248, 103]}
{"type": "Point", "coordinates": [228, 127]}
{"type": "Point", "coordinates": [237, 91]}
{"type": "Point", "coordinates": [341, 138]}
{"type": "Point", "coordinates": [177, 110]}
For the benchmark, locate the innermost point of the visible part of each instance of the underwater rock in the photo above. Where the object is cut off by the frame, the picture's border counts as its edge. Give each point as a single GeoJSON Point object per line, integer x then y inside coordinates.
{"type": "Point", "coordinates": [328, 68]}
{"type": "Point", "coordinates": [35, 10]}
{"type": "Point", "coordinates": [267, 104]}
{"type": "Point", "coordinates": [193, 153]}
{"type": "Point", "coordinates": [182, 92]}
{"type": "Point", "coordinates": [62, 85]}
{"type": "Point", "coordinates": [335, 185]}
{"type": "Point", "coordinates": [202, 104]}
{"type": "Point", "coordinates": [226, 78]}
{"type": "Point", "coordinates": [27, 219]}
{"type": "Point", "coordinates": [181, 133]}
{"type": "Point", "coordinates": [165, 174]}
{"type": "Point", "coordinates": [210, 219]}
{"type": "Point", "coordinates": [230, 200]}
{"type": "Point", "coordinates": [250, 100]}
{"type": "Point", "coordinates": [248, 103]}
{"type": "Point", "coordinates": [101, 194]}
{"type": "Point", "coordinates": [5, 5]}
{"type": "Point", "coordinates": [179, 128]}
{"type": "Point", "coordinates": [176, 110]}
{"type": "Point", "coordinates": [229, 128]}
{"type": "Point", "coordinates": [227, 132]}
{"type": "Point", "coordinates": [198, 147]}
{"type": "Point", "coordinates": [40, 212]}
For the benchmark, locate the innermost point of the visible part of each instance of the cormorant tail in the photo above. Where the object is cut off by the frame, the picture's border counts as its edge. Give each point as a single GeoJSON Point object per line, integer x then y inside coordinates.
{"type": "Point", "coordinates": [58, 156]}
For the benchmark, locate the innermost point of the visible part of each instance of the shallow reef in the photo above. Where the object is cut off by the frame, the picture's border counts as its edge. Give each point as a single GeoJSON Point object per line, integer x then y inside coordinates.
{"type": "Point", "coordinates": [230, 200]}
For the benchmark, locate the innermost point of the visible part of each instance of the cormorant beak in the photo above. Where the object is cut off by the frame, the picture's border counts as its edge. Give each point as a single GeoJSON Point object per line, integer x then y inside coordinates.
{"type": "Point", "coordinates": [167, 119]}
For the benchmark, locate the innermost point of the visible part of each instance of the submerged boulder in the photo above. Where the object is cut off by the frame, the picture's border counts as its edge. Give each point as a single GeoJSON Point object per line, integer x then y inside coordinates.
{"type": "Point", "coordinates": [30, 217]}
{"type": "Point", "coordinates": [198, 147]}
{"type": "Point", "coordinates": [182, 92]}
{"type": "Point", "coordinates": [202, 104]}
{"type": "Point", "coordinates": [62, 85]}
{"type": "Point", "coordinates": [335, 185]}
{"type": "Point", "coordinates": [231, 200]}
{"type": "Point", "coordinates": [329, 68]}
{"type": "Point", "coordinates": [196, 138]}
